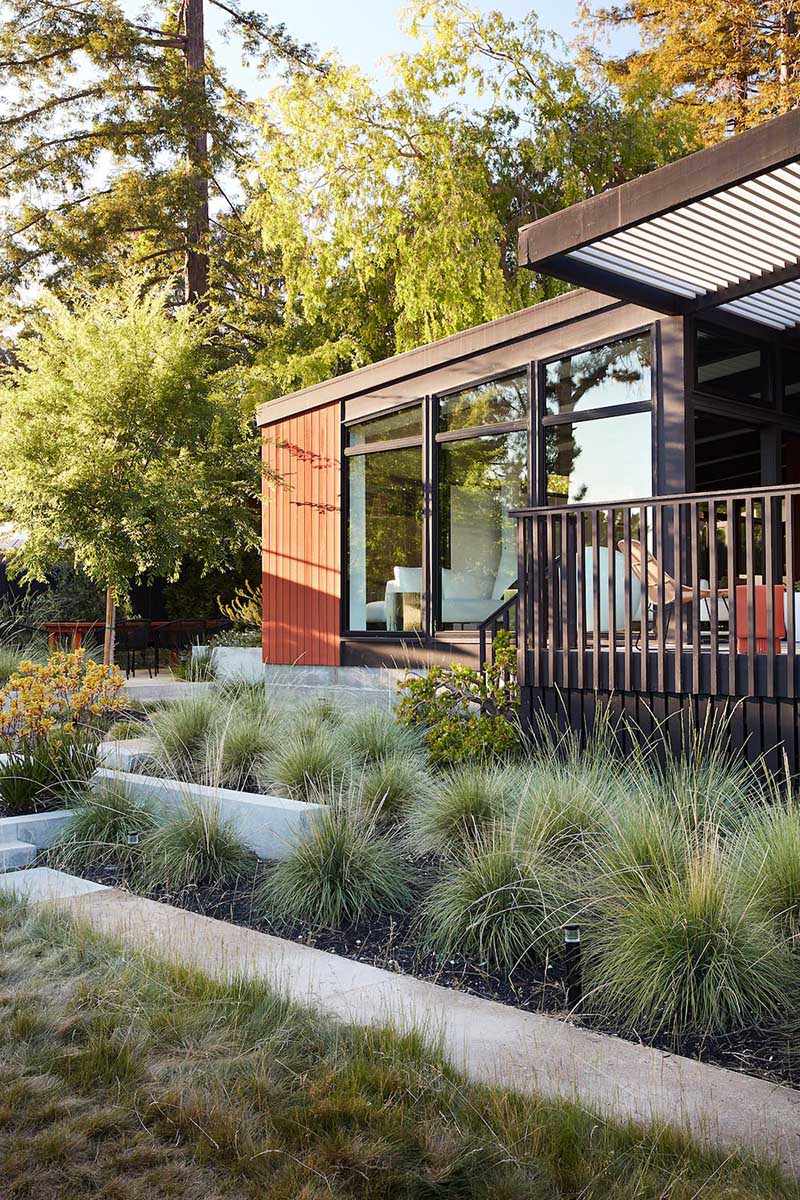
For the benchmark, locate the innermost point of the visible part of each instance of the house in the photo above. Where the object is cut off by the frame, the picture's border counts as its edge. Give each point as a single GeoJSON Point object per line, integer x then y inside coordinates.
{"type": "Point", "coordinates": [613, 474]}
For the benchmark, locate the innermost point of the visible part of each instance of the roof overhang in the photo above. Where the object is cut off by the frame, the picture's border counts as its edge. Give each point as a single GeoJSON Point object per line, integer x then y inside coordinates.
{"type": "Point", "coordinates": [719, 229]}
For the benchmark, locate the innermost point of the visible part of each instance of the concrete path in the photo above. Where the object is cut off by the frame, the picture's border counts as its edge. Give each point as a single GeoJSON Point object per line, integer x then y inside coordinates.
{"type": "Point", "coordinates": [488, 1041]}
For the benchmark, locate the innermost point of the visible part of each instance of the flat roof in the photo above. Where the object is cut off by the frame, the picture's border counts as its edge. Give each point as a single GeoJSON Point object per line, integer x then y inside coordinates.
{"type": "Point", "coordinates": [717, 229]}
{"type": "Point", "coordinates": [546, 314]}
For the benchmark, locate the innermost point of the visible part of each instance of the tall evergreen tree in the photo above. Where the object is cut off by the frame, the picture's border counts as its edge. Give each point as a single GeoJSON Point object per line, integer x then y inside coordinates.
{"type": "Point", "coordinates": [116, 138]}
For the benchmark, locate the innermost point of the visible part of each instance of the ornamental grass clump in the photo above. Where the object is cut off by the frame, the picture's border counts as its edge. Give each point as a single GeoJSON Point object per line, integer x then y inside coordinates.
{"type": "Point", "coordinates": [395, 783]}
{"type": "Point", "coordinates": [105, 828]}
{"type": "Point", "coordinates": [645, 846]}
{"type": "Point", "coordinates": [181, 731]}
{"type": "Point", "coordinates": [563, 805]}
{"type": "Point", "coordinates": [306, 765]}
{"type": "Point", "coordinates": [766, 857]}
{"type": "Point", "coordinates": [342, 871]}
{"type": "Point", "coordinates": [370, 737]}
{"type": "Point", "coordinates": [497, 905]}
{"type": "Point", "coordinates": [692, 956]}
{"type": "Point", "coordinates": [708, 782]}
{"type": "Point", "coordinates": [465, 801]}
{"type": "Point", "coordinates": [193, 848]}
{"type": "Point", "coordinates": [238, 749]}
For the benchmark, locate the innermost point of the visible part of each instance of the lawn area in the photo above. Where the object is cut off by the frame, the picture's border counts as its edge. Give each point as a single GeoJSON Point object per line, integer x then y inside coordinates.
{"type": "Point", "coordinates": [123, 1077]}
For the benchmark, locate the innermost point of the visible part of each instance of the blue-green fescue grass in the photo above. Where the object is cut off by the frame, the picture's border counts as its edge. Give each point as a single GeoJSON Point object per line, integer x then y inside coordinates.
{"type": "Point", "coordinates": [306, 764]}
{"type": "Point", "coordinates": [394, 784]}
{"type": "Point", "coordinates": [371, 736]}
{"type": "Point", "coordinates": [124, 730]}
{"type": "Point", "coordinates": [129, 1077]}
{"type": "Point", "coordinates": [344, 869]}
{"type": "Point", "coordinates": [238, 747]}
{"type": "Point", "coordinates": [181, 730]}
{"type": "Point", "coordinates": [99, 828]}
{"type": "Point", "coordinates": [688, 953]}
{"type": "Point", "coordinates": [193, 847]}
{"type": "Point", "coordinates": [464, 801]}
{"type": "Point", "coordinates": [497, 904]}
{"type": "Point", "coordinates": [766, 859]}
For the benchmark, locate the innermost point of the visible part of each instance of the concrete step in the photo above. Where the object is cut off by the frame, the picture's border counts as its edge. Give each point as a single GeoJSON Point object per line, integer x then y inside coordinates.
{"type": "Point", "coordinates": [16, 854]}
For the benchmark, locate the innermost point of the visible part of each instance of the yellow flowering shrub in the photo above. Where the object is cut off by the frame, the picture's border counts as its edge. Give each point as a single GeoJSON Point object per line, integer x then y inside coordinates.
{"type": "Point", "coordinates": [69, 691]}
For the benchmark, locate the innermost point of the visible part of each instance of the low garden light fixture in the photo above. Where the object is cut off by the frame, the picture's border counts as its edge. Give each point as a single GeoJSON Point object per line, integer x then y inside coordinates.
{"type": "Point", "coordinates": [573, 978]}
{"type": "Point", "coordinates": [133, 838]}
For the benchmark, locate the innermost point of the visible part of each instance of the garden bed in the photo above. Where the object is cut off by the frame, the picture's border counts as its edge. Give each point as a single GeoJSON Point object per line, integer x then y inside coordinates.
{"type": "Point", "coordinates": [392, 943]}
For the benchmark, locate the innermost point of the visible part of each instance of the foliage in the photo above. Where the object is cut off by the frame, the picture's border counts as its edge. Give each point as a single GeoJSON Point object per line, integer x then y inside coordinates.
{"type": "Point", "coordinates": [729, 67]}
{"type": "Point", "coordinates": [122, 730]}
{"type": "Point", "coordinates": [342, 871]}
{"type": "Point", "coordinates": [115, 417]}
{"type": "Point", "coordinates": [69, 690]}
{"type": "Point", "coordinates": [244, 610]}
{"type": "Point", "coordinates": [495, 904]}
{"type": "Point", "coordinates": [690, 955]}
{"type": "Point", "coordinates": [304, 765]}
{"type": "Point", "coordinates": [245, 638]}
{"type": "Point", "coordinates": [393, 784]}
{"type": "Point", "coordinates": [564, 801]}
{"type": "Point", "coordinates": [371, 736]}
{"type": "Point", "coordinates": [465, 802]}
{"type": "Point", "coordinates": [767, 857]}
{"type": "Point", "coordinates": [465, 714]}
{"type": "Point", "coordinates": [196, 666]}
{"type": "Point", "coordinates": [194, 847]}
{"type": "Point", "coordinates": [392, 212]}
{"type": "Point", "coordinates": [46, 772]}
{"type": "Point", "coordinates": [10, 659]}
{"type": "Point", "coordinates": [181, 732]}
{"type": "Point", "coordinates": [99, 830]}
{"type": "Point", "coordinates": [239, 748]}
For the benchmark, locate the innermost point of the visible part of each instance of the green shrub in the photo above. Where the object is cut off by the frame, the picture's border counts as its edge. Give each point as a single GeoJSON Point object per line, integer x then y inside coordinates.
{"type": "Point", "coordinates": [343, 870]}
{"type": "Point", "coordinates": [10, 658]}
{"type": "Point", "coordinates": [305, 766]}
{"type": "Point", "coordinates": [99, 828]}
{"type": "Point", "coordinates": [47, 772]}
{"type": "Point", "coordinates": [394, 784]}
{"type": "Point", "coordinates": [767, 859]}
{"type": "Point", "coordinates": [688, 957]}
{"type": "Point", "coordinates": [466, 715]}
{"type": "Point", "coordinates": [464, 801]}
{"type": "Point", "coordinates": [181, 731]}
{"type": "Point", "coordinates": [193, 848]}
{"type": "Point", "coordinates": [371, 736]}
{"type": "Point", "coordinates": [497, 905]}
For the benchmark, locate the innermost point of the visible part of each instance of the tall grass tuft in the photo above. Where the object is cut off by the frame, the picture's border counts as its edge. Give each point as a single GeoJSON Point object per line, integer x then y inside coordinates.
{"type": "Point", "coordinates": [563, 804]}
{"type": "Point", "coordinates": [689, 956]}
{"type": "Point", "coordinates": [194, 847]}
{"type": "Point", "coordinates": [767, 859]}
{"type": "Point", "coordinates": [302, 767]}
{"type": "Point", "coordinates": [238, 748]}
{"type": "Point", "coordinates": [370, 737]}
{"type": "Point", "coordinates": [709, 782]}
{"type": "Point", "coordinates": [99, 829]}
{"type": "Point", "coordinates": [394, 784]}
{"type": "Point", "coordinates": [496, 905]}
{"type": "Point", "coordinates": [342, 871]}
{"type": "Point", "coordinates": [465, 801]}
{"type": "Point", "coordinates": [644, 847]}
{"type": "Point", "coordinates": [181, 731]}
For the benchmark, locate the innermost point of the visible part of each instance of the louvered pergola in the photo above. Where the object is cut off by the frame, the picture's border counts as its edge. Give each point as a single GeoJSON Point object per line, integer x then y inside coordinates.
{"type": "Point", "coordinates": [719, 229]}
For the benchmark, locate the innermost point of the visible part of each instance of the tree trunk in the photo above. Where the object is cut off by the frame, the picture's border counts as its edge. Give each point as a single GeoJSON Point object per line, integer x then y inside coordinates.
{"type": "Point", "coordinates": [111, 620]}
{"type": "Point", "coordinates": [196, 261]}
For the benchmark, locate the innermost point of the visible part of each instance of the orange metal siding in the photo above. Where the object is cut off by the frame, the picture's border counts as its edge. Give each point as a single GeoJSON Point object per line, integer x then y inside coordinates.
{"type": "Point", "coordinates": [301, 540]}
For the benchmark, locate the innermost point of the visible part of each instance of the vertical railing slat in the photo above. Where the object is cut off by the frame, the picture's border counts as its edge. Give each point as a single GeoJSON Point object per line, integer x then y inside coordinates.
{"type": "Point", "coordinates": [628, 601]}
{"type": "Point", "coordinates": [612, 600]}
{"type": "Point", "coordinates": [658, 550]}
{"type": "Point", "coordinates": [767, 553]}
{"type": "Point", "coordinates": [694, 554]}
{"type": "Point", "coordinates": [791, 576]}
{"type": "Point", "coordinates": [713, 603]}
{"type": "Point", "coordinates": [733, 636]}
{"type": "Point", "coordinates": [596, 598]}
{"type": "Point", "coordinates": [644, 605]}
{"type": "Point", "coordinates": [580, 578]}
{"type": "Point", "coordinates": [749, 555]}
{"type": "Point", "coordinates": [677, 620]}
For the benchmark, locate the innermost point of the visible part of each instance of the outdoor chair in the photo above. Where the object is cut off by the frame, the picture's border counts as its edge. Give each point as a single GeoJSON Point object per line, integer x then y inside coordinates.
{"type": "Point", "coordinates": [133, 637]}
{"type": "Point", "coordinates": [655, 574]}
{"type": "Point", "coordinates": [172, 637]}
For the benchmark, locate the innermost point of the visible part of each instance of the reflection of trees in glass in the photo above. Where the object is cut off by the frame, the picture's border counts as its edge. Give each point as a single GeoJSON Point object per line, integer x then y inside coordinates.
{"type": "Point", "coordinates": [625, 363]}
{"type": "Point", "coordinates": [393, 522]}
{"type": "Point", "coordinates": [490, 473]}
{"type": "Point", "coordinates": [491, 403]}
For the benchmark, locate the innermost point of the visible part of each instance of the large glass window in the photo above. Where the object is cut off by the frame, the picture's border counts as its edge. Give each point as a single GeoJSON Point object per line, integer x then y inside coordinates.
{"type": "Point", "coordinates": [602, 377]}
{"type": "Point", "coordinates": [592, 461]}
{"type": "Point", "coordinates": [496, 402]}
{"type": "Point", "coordinates": [384, 537]}
{"type": "Point", "coordinates": [405, 422]}
{"type": "Point", "coordinates": [730, 365]}
{"type": "Point", "coordinates": [480, 480]}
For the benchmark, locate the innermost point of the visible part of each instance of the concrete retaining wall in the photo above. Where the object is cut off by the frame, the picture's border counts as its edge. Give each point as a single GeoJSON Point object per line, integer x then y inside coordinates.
{"type": "Point", "coordinates": [37, 829]}
{"type": "Point", "coordinates": [268, 825]}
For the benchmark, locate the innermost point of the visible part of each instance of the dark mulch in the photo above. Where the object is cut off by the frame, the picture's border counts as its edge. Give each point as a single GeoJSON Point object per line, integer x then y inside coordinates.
{"type": "Point", "coordinates": [393, 943]}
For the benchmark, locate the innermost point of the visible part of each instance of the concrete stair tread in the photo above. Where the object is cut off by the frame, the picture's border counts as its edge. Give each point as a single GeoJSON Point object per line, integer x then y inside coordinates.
{"type": "Point", "coordinates": [16, 854]}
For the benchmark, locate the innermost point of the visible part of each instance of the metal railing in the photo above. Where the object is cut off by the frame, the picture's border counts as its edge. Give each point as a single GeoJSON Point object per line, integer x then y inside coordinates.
{"type": "Point", "coordinates": [503, 618]}
{"type": "Point", "coordinates": [681, 594]}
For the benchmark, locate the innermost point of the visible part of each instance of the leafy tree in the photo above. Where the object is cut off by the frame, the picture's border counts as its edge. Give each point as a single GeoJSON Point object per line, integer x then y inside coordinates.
{"type": "Point", "coordinates": [116, 137]}
{"type": "Point", "coordinates": [730, 64]}
{"type": "Point", "coordinates": [393, 213]}
{"type": "Point", "coordinates": [122, 441]}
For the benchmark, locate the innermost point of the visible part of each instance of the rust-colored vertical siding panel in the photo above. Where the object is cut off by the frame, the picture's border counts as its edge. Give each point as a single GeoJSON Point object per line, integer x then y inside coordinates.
{"type": "Point", "coordinates": [301, 529]}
